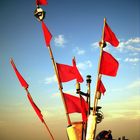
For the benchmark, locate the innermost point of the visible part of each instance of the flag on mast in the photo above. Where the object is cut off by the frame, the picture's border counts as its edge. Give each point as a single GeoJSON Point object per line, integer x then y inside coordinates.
{"type": "Point", "coordinates": [109, 36]}
{"type": "Point", "coordinates": [25, 85]}
{"type": "Point", "coordinates": [47, 34]}
{"type": "Point", "coordinates": [19, 76]}
{"type": "Point", "coordinates": [67, 73]}
{"type": "Point", "coordinates": [109, 65]}
{"type": "Point", "coordinates": [41, 2]}
{"type": "Point", "coordinates": [78, 75]}
{"type": "Point", "coordinates": [101, 87]}
{"type": "Point", "coordinates": [74, 104]}
{"type": "Point", "coordinates": [37, 110]}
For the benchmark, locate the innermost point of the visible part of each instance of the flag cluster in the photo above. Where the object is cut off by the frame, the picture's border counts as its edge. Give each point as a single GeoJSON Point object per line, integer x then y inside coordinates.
{"type": "Point", "coordinates": [108, 64]}
{"type": "Point", "coordinates": [67, 73]}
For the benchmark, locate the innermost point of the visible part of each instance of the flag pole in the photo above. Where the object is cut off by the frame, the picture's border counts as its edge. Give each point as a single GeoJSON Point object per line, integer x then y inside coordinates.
{"type": "Point", "coordinates": [99, 76]}
{"type": "Point", "coordinates": [59, 84]}
{"type": "Point", "coordinates": [52, 138]}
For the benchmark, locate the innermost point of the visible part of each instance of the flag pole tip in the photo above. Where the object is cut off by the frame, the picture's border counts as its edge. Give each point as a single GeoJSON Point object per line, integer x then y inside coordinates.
{"type": "Point", "coordinates": [104, 19]}
{"type": "Point", "coordinates": [11, 59]}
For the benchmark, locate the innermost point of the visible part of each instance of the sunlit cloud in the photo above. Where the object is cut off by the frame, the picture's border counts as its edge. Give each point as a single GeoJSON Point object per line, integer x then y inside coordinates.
{"type": "Point", "coordinates": [128, 107]}
{"type": "Point", "coordinates": [135, 84]}
{"type": "Point", "coordinates": [84, 65]}
{"type": "Point", "coordinates": [59, 41]}
{"type": "Point", "coordinates": [79, 51]}
{"type": "Point", "coordinates": [50, 80]}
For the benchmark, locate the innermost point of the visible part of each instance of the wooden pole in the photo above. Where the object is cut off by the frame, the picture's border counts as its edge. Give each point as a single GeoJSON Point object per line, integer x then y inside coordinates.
{"type": "Point", "coordinates": [52, 138]}
{"type": "Point", "coordinates": [98, 76]}
{"type": "Point", "coordinates": [59, 84]}
{"type": "Point", "coordinates": [48, 130]}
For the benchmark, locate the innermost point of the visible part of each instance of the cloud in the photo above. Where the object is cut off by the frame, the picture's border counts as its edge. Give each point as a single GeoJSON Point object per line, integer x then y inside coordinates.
{"type": "Point", "coordinates": [132, 60]}
{"type": "Point", "coordinates": [50, 80]}
{"type": "Point", "coordinates": [84, 65]}
{"type": "Point", "coordinates": [95, 45]}
{"type": "Point", "coordinates": [59, 40]}
{"type": "Point", "coordinates": [130, 45]}
{"type": "Point", "coordinates": [132, 86]}
{"type": "Point", "coordinates": [128, 107]}
{"type": "Point", "coordinates": [79, 51]}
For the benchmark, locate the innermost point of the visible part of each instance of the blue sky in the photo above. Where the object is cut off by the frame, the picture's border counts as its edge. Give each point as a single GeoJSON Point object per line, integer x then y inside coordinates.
{"type": "Point", "coordinates": [76, 27]}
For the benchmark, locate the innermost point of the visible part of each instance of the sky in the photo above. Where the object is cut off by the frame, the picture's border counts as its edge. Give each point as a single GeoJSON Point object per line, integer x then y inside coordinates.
{"type": "Point", "coordinates": [76, 27]}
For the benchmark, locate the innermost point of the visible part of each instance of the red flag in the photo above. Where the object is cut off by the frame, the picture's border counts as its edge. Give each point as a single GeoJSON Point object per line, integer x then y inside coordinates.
{"type": "Point", "coordinates": [74, 104]}
{"type": "Point", "coordinates": [100, 87]}
{"type": "Point", "coordinates": [109, 65]}
{"type": "Point", "coordinates": [41, 2]}
{"type": "Point", "coordinates": [109, 36]}
{"type": "Point", "coordinates": [37, 110]}
{"type": "Point", "coordinates": [84, 106]}
{"type": "Point", "coordinates": [67, 73]}
{"type": "Point", "coordinates": [78, 75]}
{"type": "Point", "coordinates": [47, 34]}
{"type": "Point", "coordinates": [19, 76]}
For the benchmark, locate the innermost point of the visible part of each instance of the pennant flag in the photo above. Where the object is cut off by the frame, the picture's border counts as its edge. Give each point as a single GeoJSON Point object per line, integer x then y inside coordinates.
{"type": "Point", "coordinates": [100, 87]}
{"type": "Point", "coordinates": [67, 73]}
{"type": "Point", "coordinates": [109, 36]}
{"type": "Point", "coordinates": [109, 65]}
{"type": "Point", "coordinates": [74, 104]}
{"type": "Point", "coordinates": [41, 2]}
{"type": "Point", "coordinates": [47, 34]}
{"type": "Point", "coordinates": [19, 76]}
{"type": "Point", "coordinates": [78, 75]}
{"type": "Point", "coordinates": [37, 110]}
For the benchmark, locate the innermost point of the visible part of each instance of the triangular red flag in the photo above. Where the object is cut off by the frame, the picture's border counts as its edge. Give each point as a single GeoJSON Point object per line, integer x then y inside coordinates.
{"type": "Point", "coordinates": [68, 73]}
{"type": "Point", "coordinates": [109, 36]}
{"type": "Point", "coordinates": [37, 110]}
{"type": "Point", "coordinates": [100, 87]}
{"type": "Point", "coordinates": [74, 104]}
{"type": "Point", "coordinates": [78, 75]}
{"type": "Point", "coordinates": [41, 2]}
{"type": "Point", "coordinates": [47, 34]}
{"type": "Point", "coordinates": [109, 65]}
{"type": "Point", "coordinates": [84, 106]}
{"type": "Point", "coordinates": [19, 76]}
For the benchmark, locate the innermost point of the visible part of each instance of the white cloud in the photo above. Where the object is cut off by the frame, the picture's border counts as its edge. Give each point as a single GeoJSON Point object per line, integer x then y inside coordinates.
{"type": "Point", "coordinates": [124, 46]}
{"type": "Point", "coordinates": [50, 80]}
{"type": "Point", "coordinates": [95, 45]}
{"type": "Point", "coordinates": [79, 51]}
{"type": "Point", "coordinates": [133, 40]}
{"type": "Point", "coordinates": [84, 65]}
{"type": "Point", "coordinates": [132, 60]}
{"type": "Point", "coordinates": [130, 45]}
{"type": "Point", "coordinates": [59, 40]}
